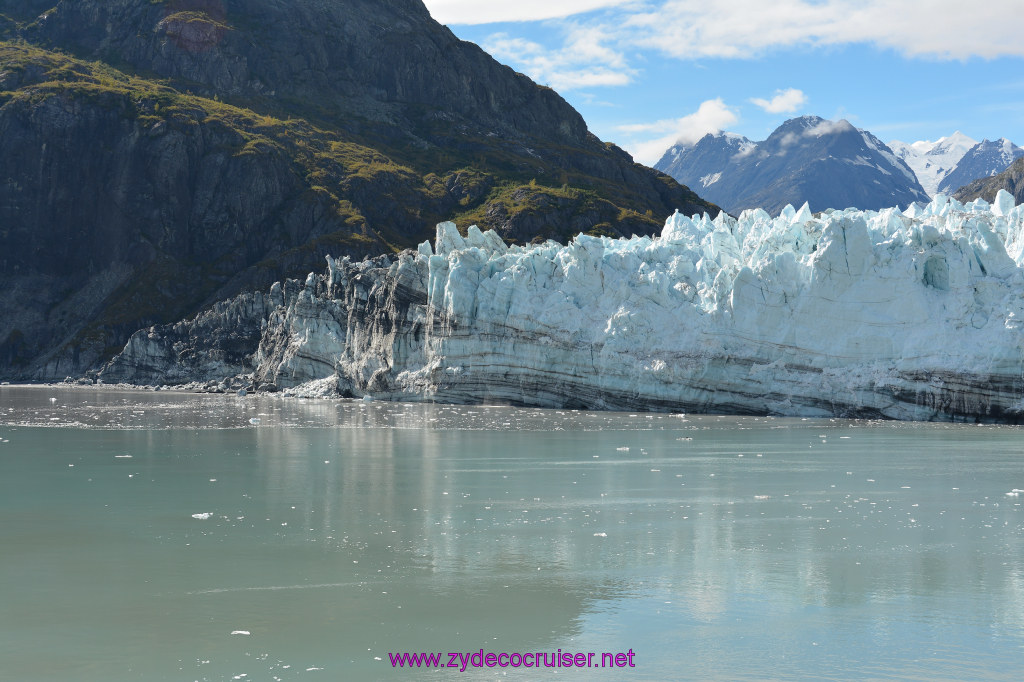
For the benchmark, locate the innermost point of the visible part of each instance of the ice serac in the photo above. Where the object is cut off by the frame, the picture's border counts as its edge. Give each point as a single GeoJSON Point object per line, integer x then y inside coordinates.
{"type": "Point", "coordinates": [906, 315]}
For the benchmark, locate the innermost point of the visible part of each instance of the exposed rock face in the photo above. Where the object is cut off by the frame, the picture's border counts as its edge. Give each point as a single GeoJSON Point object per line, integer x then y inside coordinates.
{"type": "Point", "coordinates": [191, 150]}
{"type": "Point", "coordinates": [216, 344]}
{"type": "Point", "coordinates": [119, 220]}
{"type": "Point", "coordinates": [1011, 180]}
{"type": "Point", "coordinates": [913, 315]}
{"type": "Point", "coordinates": [366, 57]}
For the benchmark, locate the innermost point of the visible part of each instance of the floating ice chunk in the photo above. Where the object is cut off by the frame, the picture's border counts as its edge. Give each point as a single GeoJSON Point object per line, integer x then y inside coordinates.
{"type": "Point", "coordinates": [367, 398]}
{"type": "Point", "coordinates": [53, 400]}
{"type": "Point", "coordinates": [202, 516]}
{"type": "Point", "coordinates": [600, 535]}
{"type": "Point", "coordinates": [254, 420]}
{"type": "Point", "coordinates": [240, 632]}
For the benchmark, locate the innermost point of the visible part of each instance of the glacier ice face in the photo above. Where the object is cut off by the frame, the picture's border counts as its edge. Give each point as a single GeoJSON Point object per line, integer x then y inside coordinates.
{"type": "Point", "coordinates": [908, 315]}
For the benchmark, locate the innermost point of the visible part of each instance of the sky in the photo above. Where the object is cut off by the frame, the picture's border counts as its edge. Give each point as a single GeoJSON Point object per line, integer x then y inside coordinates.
{"type": "Point", "coordinates": [648, 73]}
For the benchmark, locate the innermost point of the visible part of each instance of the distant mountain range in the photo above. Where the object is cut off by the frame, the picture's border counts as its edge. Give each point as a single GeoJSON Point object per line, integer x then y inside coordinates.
{"type": "Point", "coordinates": [828, 164]}
{"type": "Point", "coordinates": [951, 162]}
{"type": "Point", "coordinates": [831, 164]}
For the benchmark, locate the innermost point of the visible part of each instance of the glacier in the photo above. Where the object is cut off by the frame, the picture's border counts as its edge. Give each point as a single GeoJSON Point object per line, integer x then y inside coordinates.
{"type": "Point", "coordinates": [914, 314]}
{"type": "Point", "coordinates": [932, 162]}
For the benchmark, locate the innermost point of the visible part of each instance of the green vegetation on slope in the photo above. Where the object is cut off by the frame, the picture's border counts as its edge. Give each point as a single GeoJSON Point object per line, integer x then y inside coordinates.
{"type": "Point", "coordinates": [488, 186]}
{"type": "Point", "coordinates": [135, 198]}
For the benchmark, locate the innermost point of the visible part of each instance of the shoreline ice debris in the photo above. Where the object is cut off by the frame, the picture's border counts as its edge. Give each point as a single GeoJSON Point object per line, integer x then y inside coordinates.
{"type": "Point", "coordinates": [914, 314]}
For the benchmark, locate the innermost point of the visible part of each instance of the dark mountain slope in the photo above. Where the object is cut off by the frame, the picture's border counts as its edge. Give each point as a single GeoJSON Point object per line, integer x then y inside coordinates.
{"type": "Point", "coordinates": [704, 161]}
{"type": "Point", "coordinates": [158, 156]}
{"type": "Point", "coordinates": [1012, 180]}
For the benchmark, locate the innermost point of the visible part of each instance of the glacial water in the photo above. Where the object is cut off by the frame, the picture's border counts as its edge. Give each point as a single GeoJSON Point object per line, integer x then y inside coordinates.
{"type": "Point", "coordinates": [166, 536]}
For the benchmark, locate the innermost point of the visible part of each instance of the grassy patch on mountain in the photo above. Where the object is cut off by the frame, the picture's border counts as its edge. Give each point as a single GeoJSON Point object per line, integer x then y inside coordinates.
{"type": "Point", "coordinates": [473, 179]}
{"type": "Point", "coordinates": [315, 183]}
{"type": "Point", "coordinates": [19, 12]}
{"type": "Point", "coordinates": [197, 18]}
{"type": "Point", "coordinates": [533, 212]}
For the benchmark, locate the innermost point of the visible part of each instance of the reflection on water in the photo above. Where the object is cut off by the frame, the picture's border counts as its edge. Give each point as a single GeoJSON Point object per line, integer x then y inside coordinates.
{"type": "Point", "coordinates": [334, 532]}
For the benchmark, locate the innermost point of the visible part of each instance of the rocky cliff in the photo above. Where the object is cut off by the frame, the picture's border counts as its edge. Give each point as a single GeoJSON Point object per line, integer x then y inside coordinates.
{"type": "Point", "coordinates": [912, 315]}
{"type": "Point", "coordinates": [1011, 180]}
{"type": "Point", "coordinates": [158, 156]}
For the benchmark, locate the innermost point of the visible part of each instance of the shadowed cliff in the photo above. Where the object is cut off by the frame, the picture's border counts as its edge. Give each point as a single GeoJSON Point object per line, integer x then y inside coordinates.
{"type": "Point", "coordinates": [159, 156]}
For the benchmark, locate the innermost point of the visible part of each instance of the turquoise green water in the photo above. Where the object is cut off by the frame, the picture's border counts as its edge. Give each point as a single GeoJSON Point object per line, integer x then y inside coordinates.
{"type": "Point", "coordinates": [340, 532]}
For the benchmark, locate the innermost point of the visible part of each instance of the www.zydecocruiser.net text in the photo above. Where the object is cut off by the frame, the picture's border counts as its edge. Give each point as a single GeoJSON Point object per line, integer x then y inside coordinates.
{"type": "Point", "coordinates": [532, 659]}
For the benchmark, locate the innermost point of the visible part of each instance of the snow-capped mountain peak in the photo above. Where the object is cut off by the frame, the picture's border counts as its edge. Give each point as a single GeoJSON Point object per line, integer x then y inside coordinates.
{"type": "Point", "coordinates": [933, 161]}
{"type": "Point", "coordinates": [1007, 148]}
{"type": "Point", "coordinates": [983, 160]}
{"type": "Point", "coordinates": [953, 143]}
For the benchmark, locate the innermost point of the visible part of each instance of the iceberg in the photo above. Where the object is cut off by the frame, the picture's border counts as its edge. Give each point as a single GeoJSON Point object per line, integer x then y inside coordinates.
{"type": "Point", "coordinates": [913, 314]}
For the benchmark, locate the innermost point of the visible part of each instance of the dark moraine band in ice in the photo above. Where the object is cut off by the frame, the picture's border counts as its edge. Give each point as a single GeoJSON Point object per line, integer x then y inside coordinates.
{"type": "Point", "coordinates": [907, 315]}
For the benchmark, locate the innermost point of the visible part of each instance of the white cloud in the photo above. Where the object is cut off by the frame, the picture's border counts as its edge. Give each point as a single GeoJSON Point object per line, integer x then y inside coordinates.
{"type": "Point", "coordinates": [784, 101]}
{"type": "Point", "coordinates": [584, 61]}
{"type": "Point", "coordinates": [593, 48]}
{"type": "Point", "coordinates": [788, 140]}
{"type": "Point", "coordinates": [746, 29]}
{"type": "Point", "coordinates": [712, 116]}
{"type": "Point", "coordinates": [690, 29]}
{"type": "Point", "coordinates": [829, 128]}
{"type": "Point", "coordinates": [486, 12]}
